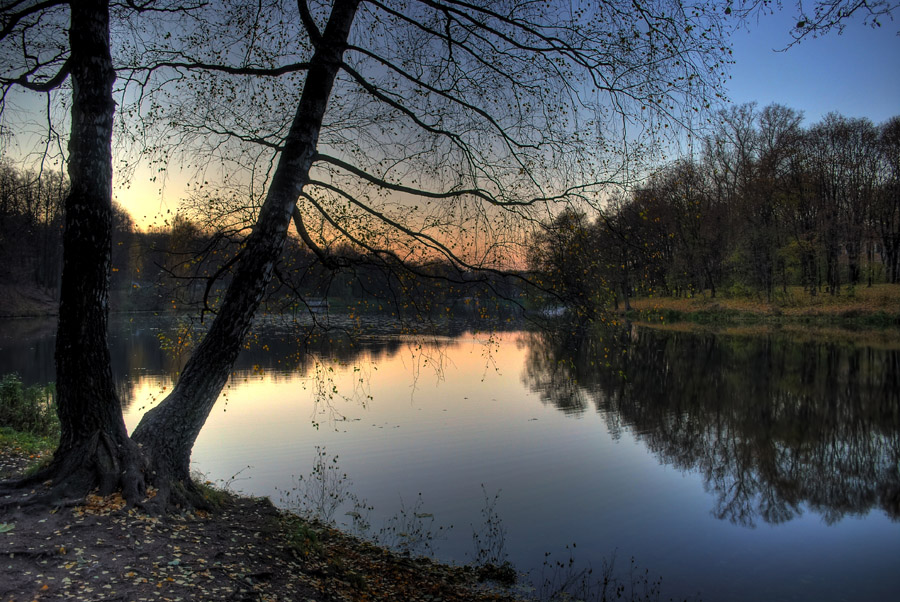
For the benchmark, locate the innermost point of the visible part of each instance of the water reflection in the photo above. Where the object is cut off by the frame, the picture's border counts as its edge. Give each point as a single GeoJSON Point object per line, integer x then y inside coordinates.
{"type": "Point", "coordinates": [774, 426]}
{"type": "Point", "coordinates": [156, 347]}
{"type": "Point", "coordinates": [771, 424]}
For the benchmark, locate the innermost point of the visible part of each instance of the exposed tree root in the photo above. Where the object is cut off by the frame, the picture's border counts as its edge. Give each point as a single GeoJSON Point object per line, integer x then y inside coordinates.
{"type": "Point", "coordinates": [99, 464]}
{"type": "Point", "coordinates": [173, 494]}
{"type": "Point", "coordinates": [69, 480]}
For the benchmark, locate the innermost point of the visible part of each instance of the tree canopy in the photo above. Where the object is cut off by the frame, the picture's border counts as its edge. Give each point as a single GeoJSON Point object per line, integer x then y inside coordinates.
{"type": "Point", "coordinates": [767, 204]}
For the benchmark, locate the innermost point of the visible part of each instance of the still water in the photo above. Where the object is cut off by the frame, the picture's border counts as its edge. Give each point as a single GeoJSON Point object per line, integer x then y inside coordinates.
{"type": "Point", "coordinates": [733, 467]}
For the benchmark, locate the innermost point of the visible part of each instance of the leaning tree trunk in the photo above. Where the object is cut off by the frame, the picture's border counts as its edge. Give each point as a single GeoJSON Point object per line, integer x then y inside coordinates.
{"type": "Point", "coordinates": [94, 448]}
{"type": "Point", "coordinates": [167, 433]}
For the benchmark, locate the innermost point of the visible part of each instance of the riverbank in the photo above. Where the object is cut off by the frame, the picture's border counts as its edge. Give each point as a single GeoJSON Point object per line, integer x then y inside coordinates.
{"type": "Point", "coordinates": [864, 307]}
{"type": "Point", "coordinates": [26, 301]}
{"type": "Point", "coordinates": [245, 550]}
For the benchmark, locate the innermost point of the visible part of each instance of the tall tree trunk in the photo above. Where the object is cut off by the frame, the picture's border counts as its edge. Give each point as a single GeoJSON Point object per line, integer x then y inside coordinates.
{"type": "Point", "coordinates": [810, 268]}
{"type": "Point", "coordinates": [94, 448]}
{"type": "Point", "coordinates": [895, 262]}
{"type": "Point", "coordinates": [889, 257]}
{"type": "Point", "coordinates": [167, 433]}
{"type": "Point", "coordinates": [853, 263]}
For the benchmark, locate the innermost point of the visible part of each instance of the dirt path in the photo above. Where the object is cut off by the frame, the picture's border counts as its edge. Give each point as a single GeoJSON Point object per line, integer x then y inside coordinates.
{"type": "Point", "coordinates": [105, 551]}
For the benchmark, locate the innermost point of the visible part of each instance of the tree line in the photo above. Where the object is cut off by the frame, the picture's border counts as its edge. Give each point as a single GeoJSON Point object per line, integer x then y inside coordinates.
{"type": "Point", "coordinates": [31, 220]}
{"type": "Point", "coordinates": [32, 215]}
{"type": "Point", "coordinates": [186, 264]}
{"type": "Point", "coordinates": [765, 204]}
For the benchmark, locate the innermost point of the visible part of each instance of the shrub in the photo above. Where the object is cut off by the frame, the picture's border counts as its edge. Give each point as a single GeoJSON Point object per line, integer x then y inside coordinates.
{"type": "Point", "coordinates": [28, 409]}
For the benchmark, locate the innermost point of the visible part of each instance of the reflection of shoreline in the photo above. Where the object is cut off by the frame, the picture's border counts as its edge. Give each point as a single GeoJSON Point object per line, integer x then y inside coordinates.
{"type": "Point", "coordinates": [878, 338]}
{"type": "Point", "coordinates": [278, 343]}
{"type": "Point", "coordinates": [772, 425]}
{"type": "Point", "coordinates": [26, 348]}
{"type": "Point", "coordinates": [145, 364]}
{"type": "Point", "coordinates": [27, 328]}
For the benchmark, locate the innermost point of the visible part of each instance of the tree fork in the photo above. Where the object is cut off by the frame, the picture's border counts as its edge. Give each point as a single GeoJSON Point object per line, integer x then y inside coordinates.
{"type": "Point", "coordinates": [167, 432]}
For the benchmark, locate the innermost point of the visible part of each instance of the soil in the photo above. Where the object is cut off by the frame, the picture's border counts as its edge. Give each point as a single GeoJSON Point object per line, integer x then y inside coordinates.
{"type": "Point", "coordinates": [244, 551]}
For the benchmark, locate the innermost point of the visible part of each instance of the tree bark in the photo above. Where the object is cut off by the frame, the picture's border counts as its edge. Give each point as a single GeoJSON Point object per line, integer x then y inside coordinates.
{"type": "Point", "coordinates": [167, 432]}
{"type": "Point", "coordinates": [94, 449]}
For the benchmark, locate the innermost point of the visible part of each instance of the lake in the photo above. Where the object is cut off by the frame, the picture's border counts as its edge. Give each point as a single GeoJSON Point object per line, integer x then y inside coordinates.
{"type": "Point", "coordinates": [746, 466]}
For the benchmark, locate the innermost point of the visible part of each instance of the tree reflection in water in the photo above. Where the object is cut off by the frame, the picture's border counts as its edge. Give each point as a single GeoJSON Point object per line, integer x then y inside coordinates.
{"type": "Point", "coordinates": [771, 424]}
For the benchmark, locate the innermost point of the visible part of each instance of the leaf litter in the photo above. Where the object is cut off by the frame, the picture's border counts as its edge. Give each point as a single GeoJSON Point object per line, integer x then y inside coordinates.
{"type": "Point", "coordinates": [103, 550]}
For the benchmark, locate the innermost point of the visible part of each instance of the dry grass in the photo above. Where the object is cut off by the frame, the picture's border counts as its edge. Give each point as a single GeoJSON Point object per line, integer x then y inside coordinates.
{"type": "Point", "coordinates": [881, 298]}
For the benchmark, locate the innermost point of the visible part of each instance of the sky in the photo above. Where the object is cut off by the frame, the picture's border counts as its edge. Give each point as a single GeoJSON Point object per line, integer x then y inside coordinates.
{"type": "Point", "coordinates": [856, 74]}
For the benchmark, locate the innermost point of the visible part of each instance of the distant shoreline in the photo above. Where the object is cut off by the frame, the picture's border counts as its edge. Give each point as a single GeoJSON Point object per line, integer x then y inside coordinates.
{"type": "Point", "coordinates": [864, 307]}
{"type": "Point", "coordinates": [18, 301]}
{"type": "Point", "coordinates": [867, 307]}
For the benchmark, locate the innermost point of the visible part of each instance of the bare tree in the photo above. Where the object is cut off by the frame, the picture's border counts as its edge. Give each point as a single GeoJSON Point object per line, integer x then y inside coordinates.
{"type": "Point", "coordinates": [404, 129]}
{"type": "Point", "coordinates": [818, 18]}
{"type": "Point", "coordinates": [886, 214]}
{"type": "Point", "coordinates": [844, 165]}
{"type": "Point", "coordinates": [94, 448]}
{"type": "Point", "coordinates": [463, 118]}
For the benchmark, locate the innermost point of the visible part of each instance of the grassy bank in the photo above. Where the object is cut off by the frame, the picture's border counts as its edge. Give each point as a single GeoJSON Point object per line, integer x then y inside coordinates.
{"type": "Point", "coordinates": [866, 307]}
{"type": "Point", "coordinates": [27, 415]}
{"type": "Point", "coordinates": [877, 338]}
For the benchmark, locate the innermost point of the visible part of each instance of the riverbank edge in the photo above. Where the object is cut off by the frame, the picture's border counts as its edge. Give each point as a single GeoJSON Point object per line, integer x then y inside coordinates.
{"type": "Point", "coordinates": [849, 319]}
{"type": "Point", "coordinates": [27, 302]}
{"type": "Point", "coordinates": [850, 313]}
{"type": "Point", "coordinates": [245, 549]}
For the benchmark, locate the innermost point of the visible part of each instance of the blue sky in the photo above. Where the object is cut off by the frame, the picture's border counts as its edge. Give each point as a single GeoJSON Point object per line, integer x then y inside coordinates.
{"type": "Point", "coordinates": [856, 73]}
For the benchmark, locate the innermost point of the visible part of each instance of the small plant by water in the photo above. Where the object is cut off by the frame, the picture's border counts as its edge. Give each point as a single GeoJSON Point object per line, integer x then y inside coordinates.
{"type": "Point", "coordinates": [412, 531]}
{"type": "Point", "coordinates": [565, 581]}
{"type": "Point", "coordinates": [489, 540]}
{"type": "Point", "coordinates": [302, 536]}
{"type": "Point", "coordinates": [319, 495]}
{"type": "Point", "coordinates": [29, 410]}
{"type": "Point", "coordinates": [218, 492]}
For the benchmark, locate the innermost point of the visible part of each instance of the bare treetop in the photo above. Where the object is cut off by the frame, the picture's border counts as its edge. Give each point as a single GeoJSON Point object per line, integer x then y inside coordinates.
{"type": "Point", "coordinates": [442, 112]}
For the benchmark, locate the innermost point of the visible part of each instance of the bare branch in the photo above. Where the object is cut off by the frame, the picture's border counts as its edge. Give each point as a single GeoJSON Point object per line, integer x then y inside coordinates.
{"type": "Point", "coordinates": [327, 261]}
{"type": "Point", "coordinates": [474, 192]}
{"type": "Point", "coordinates": [230, 69]}
{"type": "Point", "coordinates": [11, 19]}
{"type": "Point", "coordinates": [312, 30]}
{"type": "Point", "coordinates": [41, 86]}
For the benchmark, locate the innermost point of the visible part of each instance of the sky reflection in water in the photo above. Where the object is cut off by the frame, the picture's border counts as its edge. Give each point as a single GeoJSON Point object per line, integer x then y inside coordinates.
{"type": "Point", "coordinates": [741, 468]}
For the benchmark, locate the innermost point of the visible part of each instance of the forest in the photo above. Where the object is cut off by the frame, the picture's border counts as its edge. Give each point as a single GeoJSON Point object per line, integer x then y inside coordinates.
{"type": "Point", "coordinates": [763, 204]}
{"type": "Point", "coordinates": [184, 264]}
